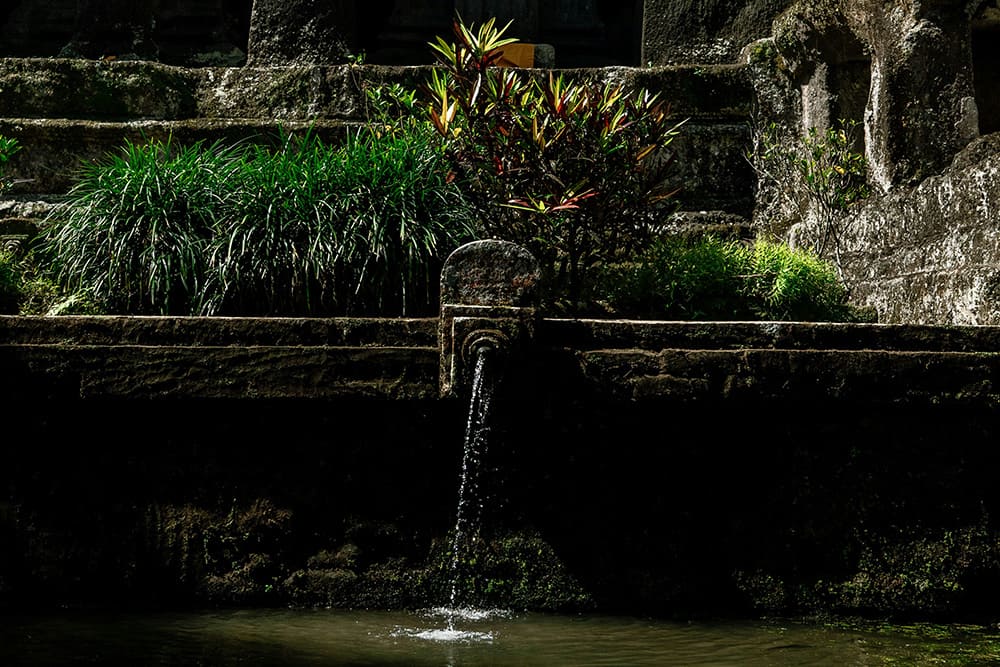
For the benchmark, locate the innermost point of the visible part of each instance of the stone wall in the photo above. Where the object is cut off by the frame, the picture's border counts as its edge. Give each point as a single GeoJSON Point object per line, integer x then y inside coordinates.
{"type": "Point", "coordinates": [639, 467]}
{"type": "Point", "coordinates": [931, 252]}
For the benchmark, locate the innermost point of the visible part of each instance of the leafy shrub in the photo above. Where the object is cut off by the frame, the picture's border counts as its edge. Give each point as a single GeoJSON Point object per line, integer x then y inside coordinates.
{"type": "Point", "coordinates": [575, 172]}
{"type": "Point", "coordinates": [819, 173]}
{"type": "Point", "coordinates": [724, 279]}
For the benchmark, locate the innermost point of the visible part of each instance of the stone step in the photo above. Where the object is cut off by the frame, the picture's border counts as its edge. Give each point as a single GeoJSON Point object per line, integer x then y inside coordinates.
{"type": "Point", "coordinates": [133, 90]}
{"type": "Point", "coordinates": [66, 112]}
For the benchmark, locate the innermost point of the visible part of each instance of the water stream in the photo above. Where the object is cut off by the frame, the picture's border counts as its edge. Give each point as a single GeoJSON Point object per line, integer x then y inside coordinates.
{"type": "Point", "coordinates": [469, 508]}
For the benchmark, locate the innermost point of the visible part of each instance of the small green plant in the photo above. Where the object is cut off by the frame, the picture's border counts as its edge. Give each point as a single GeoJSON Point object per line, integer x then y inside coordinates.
{"type": "Point", "coordinates": [576, 172]}
{"type": "Point", "coordinates": [8, 146]}
{"type": "Point", "coordinates": [724, 279]}
{"type": "Point", "coordinates": [11, 282]}
{"type": "Point", "coordinates": [782, 283]}
{"type": "Point", "coordinates": [821, 173]}
{"type": "Point", "coordinates": [40, 295]}
{"type": "Point", "coordinates": [26, 289]}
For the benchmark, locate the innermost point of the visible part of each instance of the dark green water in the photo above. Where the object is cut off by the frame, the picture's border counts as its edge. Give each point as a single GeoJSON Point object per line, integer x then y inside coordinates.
{"type": "Point", "coordinates": [338, 638]}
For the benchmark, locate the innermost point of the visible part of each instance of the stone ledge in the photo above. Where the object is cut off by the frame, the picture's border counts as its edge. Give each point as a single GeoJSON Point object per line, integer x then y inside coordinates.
{"type": "Point", "coordinates": [243, 373]}
{"type": "Point", "coordinates": [314, 359]}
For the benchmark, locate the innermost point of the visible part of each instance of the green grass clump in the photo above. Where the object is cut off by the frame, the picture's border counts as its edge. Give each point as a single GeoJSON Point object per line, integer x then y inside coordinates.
{"type": "Point", "coordinates": [677, 279]}
{"type": "Point", "coordinates": [293, 227]}
{"type": "Point", "coordinates": [135, 229]}
{"type": "Point", "coordinates": [793, 284]}
{"type": "Point", "coordinates": [712, 278]}
{"type": "Point", "coordinates": [276, 242]}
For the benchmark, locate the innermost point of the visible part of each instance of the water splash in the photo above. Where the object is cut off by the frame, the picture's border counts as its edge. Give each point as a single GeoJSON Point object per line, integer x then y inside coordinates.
{"type": "Point", "coordinates": [445, 635]}
{"type": "Point", "coordinates": [452, 634]}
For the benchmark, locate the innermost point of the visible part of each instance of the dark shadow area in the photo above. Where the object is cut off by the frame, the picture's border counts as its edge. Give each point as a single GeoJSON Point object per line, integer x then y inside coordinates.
{"type": "Point", "coordinates": [986, 73]}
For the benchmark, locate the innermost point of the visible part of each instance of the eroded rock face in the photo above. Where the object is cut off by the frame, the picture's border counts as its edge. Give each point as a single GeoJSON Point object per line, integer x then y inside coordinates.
{"type": "Point", "coordinates": [930, 253]}
{"type": "Point", "coordinates": [904, 70]}
{"type": "Point", "coordinates": [922, 248]}
{"type": "Point", "coordinates": [922, 99]}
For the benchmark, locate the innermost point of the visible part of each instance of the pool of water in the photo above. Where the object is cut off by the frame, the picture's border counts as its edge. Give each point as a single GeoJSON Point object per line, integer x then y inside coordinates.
{"type": "Point", "coordinates": [439, 638]}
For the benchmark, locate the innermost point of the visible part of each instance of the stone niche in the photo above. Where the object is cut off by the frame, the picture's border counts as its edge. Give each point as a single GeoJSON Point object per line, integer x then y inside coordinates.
{"type": "Point", "coordinates": [905, 73]}
{"type": "Point", "coordinates": [835, 90]}
{"type": "Point", "coordinates": [921, 78]}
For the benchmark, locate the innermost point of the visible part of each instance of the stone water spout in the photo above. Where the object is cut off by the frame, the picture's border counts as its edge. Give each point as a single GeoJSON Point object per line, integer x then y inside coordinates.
{"type": "Point", "coordinates": [488, 301]}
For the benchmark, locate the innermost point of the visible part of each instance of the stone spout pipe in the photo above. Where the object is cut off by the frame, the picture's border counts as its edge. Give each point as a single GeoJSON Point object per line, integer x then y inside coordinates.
{"type": "Point", "coordinates": [482, 341]}
{"type": "Point", "coordinates": [488, 301]}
